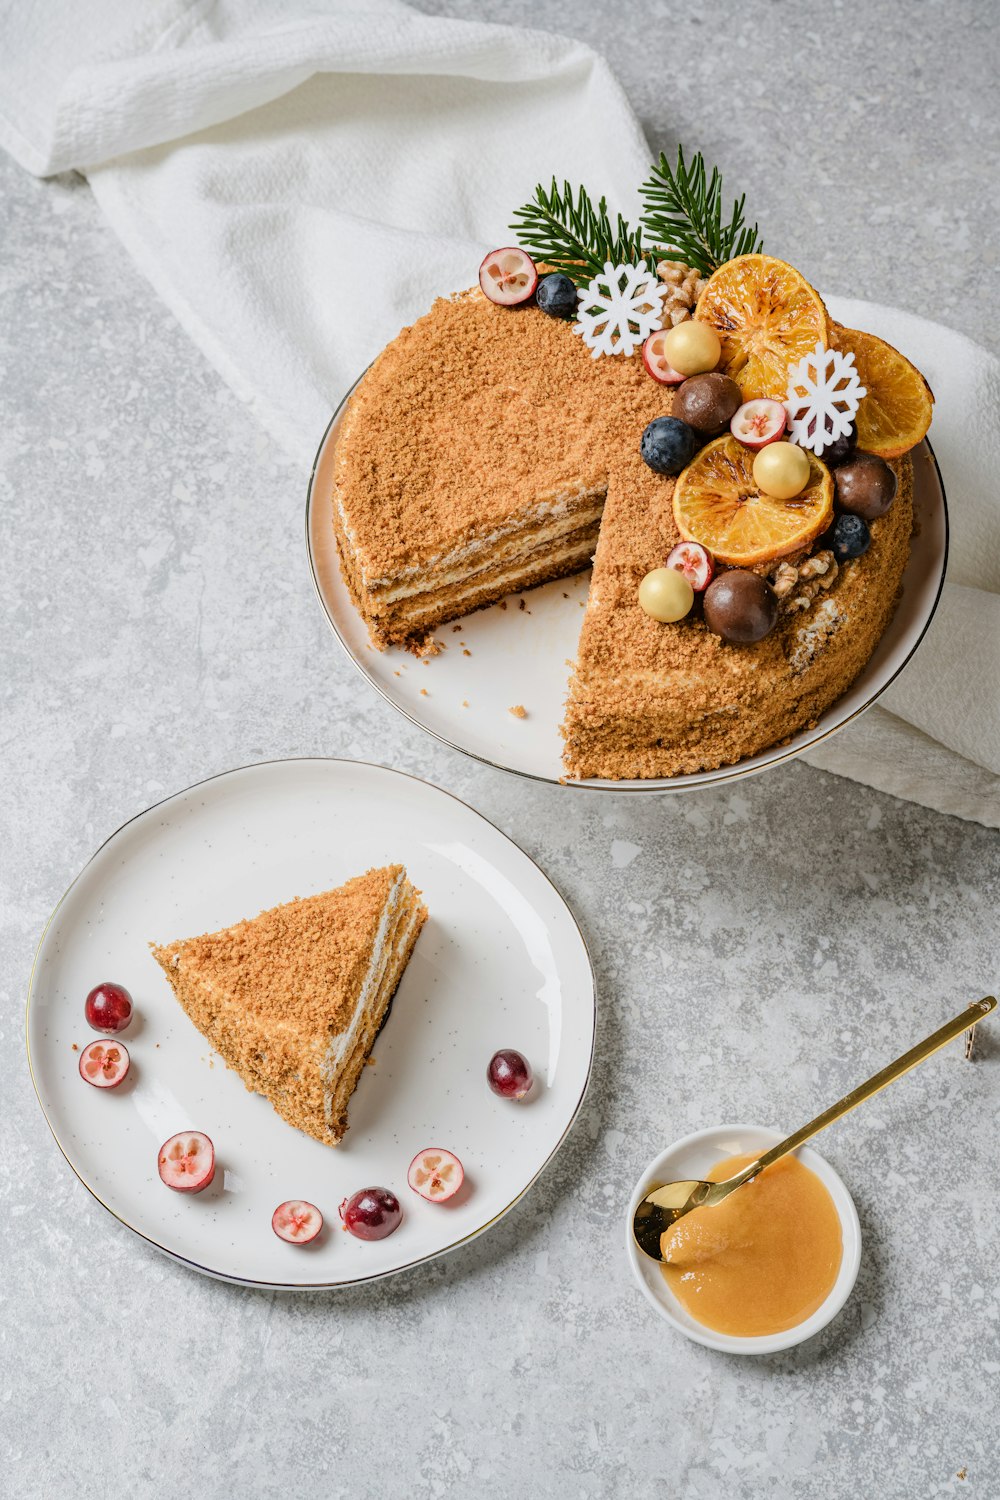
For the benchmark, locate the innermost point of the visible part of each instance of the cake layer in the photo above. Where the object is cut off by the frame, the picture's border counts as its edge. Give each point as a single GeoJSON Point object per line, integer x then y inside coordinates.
{"type": "Point", "coordinates": [650, 700]}
{"type": "Point", "coordinates": [417, 613]}
{"type": "Point", "coordinates": [542, 524]}
{"type": "Point", "coordinates": [288, 998]}
{"type": "Point", "coordinates": [572, 555]}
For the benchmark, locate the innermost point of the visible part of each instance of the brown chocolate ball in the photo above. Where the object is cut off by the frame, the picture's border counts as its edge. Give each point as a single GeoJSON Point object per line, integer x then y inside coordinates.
{"type": "Point", "coordinates": [865, 486]}
{"type": "Point", "coordinates": [841, 449]}
{"type": "Point", "coordinates": [707, 403]}
{"type": "Point", "coordinates": [740, 606]}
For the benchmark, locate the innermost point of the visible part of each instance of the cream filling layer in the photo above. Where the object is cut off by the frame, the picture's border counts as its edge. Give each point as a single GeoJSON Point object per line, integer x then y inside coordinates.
{"type": "Point", "coordinates": [463, 600]}
{"type": "Point", "coordinates": [336, 1098]}
{"type": "Point", "coordinates": [343, 1043]}
{"type": "Point", "coordinates": [565, 511]}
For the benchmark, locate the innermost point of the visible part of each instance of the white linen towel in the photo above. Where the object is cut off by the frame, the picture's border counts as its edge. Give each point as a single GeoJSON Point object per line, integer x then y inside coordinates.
{"type": "Point", "coordinates": [299, 178]}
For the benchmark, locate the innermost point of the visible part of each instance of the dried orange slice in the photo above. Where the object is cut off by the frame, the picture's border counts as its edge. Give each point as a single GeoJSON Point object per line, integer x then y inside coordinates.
{"type": "Point", "coordinates": [717, 504]}
{"type": "Point", "coordinates": [896, 412]}
{"type": "Point", "coordinates": [767, 316]}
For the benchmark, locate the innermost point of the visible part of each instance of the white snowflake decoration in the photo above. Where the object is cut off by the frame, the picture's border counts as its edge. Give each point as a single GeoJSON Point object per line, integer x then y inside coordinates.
{"type": "Point", "coordinates": [619, 309]}
{"type": "Point", "coordinates": [824, 393]}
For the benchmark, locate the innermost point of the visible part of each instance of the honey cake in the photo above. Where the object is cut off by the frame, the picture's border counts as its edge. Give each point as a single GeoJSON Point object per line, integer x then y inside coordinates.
{"type": "Point", "coordinates": [478, 457]}
{"type": "Point", "coordinates": [294, 998]}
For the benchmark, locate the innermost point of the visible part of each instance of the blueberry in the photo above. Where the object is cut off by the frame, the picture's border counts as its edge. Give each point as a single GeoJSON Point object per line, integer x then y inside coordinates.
{"type": "Point", "coordinates": [556, 295]}
{"type": "Point", "coordinates": [668, 445]}
{"type": "Point", "coordinates": [851, 537]}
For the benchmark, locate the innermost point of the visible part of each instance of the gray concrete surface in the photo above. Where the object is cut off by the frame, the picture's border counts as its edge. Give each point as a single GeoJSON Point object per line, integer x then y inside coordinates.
{"type": "Point", "coordinates": [757, 951]}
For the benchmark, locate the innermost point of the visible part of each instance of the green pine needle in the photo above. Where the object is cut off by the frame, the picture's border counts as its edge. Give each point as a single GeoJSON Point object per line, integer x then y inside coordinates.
{"type": "Point", "coordinates": [566, 231]}
{"type": "Point", "coordinates": [682, 217]}
{"type": "Point", "coordinates": [682, 212]}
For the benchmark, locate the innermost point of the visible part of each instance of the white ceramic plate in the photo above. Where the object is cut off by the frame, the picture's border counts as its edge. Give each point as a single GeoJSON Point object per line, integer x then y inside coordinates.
{"type": "Point", "coordinates": [694, 1156]}
{"type": "Point", "coordinates": [500, 962]}
{"type": "Point", "coordinates": [521, 656]}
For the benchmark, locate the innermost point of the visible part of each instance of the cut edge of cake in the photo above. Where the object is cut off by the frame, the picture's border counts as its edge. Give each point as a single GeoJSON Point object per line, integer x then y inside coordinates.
{"type": "Point", "coordinates": [553, 538]}
{"type": "Point", "coordinates": [349, 1050]}
{"type": "Point", "coordinates": [294, 998]}
{"type": "Point", "coordinates": [461, 475]}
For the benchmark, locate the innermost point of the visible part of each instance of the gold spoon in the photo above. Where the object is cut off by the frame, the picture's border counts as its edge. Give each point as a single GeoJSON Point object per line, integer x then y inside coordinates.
{"type": "Point", "coordinates": [665, 1205]}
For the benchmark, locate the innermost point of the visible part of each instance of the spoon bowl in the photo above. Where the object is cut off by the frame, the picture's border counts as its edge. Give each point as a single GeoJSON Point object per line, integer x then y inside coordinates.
{"type": "Point", "coordinates": [662, 1207]}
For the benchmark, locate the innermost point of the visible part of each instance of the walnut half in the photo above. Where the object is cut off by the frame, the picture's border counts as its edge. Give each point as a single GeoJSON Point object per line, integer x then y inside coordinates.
{"type": "Point", "coordinates": [797, 585]}
{"type": "Point", "coordinates": [684, 286]}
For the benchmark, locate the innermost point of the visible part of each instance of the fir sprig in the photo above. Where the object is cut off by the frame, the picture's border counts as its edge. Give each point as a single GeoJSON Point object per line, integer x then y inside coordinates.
{"type": "Point", "coordinates": [682, 215]}
{"type": "Point", "coordinates": [567, 231]}
{"type": "Point", "coordinates": [682, 211]}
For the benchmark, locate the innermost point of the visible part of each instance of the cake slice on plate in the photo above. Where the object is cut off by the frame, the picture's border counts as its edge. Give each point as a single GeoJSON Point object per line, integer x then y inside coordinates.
{"type": "Point", "coordinates": [293, 999]}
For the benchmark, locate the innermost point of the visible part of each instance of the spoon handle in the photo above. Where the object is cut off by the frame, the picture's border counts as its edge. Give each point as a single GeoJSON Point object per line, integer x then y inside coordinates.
{"type": "Point", "coordinates": [889, 1074]}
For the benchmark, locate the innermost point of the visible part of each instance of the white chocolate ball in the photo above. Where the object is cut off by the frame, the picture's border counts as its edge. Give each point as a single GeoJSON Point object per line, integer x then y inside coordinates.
{"type": "Point", "coordinates": [666, 595]}
{"type": "Point", "coordinates": [781, 470]}
{"type": "Point", "coordinates": [692, 348]}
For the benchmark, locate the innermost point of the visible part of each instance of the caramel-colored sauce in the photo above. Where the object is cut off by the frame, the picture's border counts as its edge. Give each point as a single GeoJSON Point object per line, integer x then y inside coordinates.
{"type": "Point", "coordinates": [765, 1259]}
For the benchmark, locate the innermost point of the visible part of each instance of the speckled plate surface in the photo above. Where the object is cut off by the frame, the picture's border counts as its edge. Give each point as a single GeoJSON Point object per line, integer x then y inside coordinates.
{"type": "Point", "coordinates": [508, 655]}
{"type": "Point", "coordinates": [500, 962]}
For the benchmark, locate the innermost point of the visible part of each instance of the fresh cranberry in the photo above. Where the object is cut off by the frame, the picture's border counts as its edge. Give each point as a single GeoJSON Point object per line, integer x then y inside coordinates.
{"type": "Point", "coordinates": [297, 1221]}
{"type": "Point", "coordinates": [108, 1007]}
{"type": "Point", "coordinates": [436, 1174]}
{"type": "Point", "coordinates": [509, 1074]}
{"type": "Point", "coordinates": [186, 1162]}
{"type": "Point", "coordinates": [371, 1214]}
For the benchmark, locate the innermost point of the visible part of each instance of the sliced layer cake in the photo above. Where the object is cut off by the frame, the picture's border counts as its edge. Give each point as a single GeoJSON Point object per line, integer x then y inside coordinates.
{"type": "Point", "coordinates": [479, 455]}
{"type": "Point", "coordinates": [293, 999]}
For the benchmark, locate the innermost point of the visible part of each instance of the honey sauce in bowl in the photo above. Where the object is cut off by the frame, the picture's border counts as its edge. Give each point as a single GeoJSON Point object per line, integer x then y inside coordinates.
{"type": "Point", "coordinates": [765, 1259]}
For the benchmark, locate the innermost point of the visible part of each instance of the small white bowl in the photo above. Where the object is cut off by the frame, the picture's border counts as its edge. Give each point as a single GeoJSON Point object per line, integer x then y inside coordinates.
{"type": "Point", "coordinates": [694, 1156]}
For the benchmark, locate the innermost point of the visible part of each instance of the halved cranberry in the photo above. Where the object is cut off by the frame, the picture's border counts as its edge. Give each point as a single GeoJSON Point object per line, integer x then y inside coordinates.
{"type": "Point", "coordinates": [436, 1174]}
{"type": "Point", "coordinates": [759, 422]}
{"type": "Point", "coordinates": [186, 1162]}
{"type": "Point", "coordinates": [297, 1221]}
{"type": "Point", "coordinates": [695, 562]}
{"type": "Point", "coordinates": [656, 361]}
{"type": "Point", "coordinates": [104, 1064]}
{"type": "Point", "coordinates": [508, 276]}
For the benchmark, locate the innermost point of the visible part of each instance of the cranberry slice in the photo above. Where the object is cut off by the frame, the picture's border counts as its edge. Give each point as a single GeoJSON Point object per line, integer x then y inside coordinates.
{"type": "Point", "coordinates": [436, 1174]}
{"type": "Point", "coordinates": [186, 1162]}
{"type": "Point", "coordinates": [297, 1221]}
{"type": "Point", "coordinates": [104, 1064]}
{"type": "Point", "coordinates": [508, 276]}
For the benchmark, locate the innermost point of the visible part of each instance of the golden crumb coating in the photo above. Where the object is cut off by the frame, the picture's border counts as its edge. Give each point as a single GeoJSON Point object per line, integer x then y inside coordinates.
{"type": "Point", "coordinates": [274, 993]}
{"type": "Point", "coordinates": [649, 699]}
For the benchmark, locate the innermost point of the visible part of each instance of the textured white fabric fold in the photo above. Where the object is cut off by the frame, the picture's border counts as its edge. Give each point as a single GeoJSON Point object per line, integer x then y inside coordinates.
{"type": "Point", "coordinates": [299, 178]}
